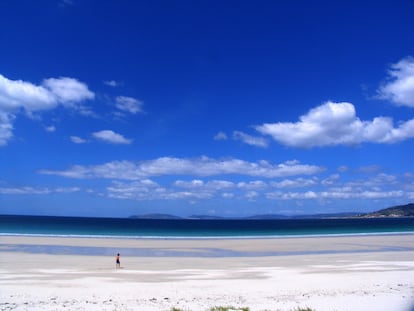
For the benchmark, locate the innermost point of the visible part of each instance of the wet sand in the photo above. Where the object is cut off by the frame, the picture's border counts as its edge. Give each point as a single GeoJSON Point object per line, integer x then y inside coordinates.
{"type": "Point", "coordinates": [324, 273]}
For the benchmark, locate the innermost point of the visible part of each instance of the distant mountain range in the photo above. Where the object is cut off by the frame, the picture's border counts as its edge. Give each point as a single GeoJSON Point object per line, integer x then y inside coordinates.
{"type": "Point", "coordinates": [395, 211]}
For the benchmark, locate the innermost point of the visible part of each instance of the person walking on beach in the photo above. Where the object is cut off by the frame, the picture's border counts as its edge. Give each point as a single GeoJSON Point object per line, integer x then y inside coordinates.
{"type": "Point", "coordinates": [118, 262]}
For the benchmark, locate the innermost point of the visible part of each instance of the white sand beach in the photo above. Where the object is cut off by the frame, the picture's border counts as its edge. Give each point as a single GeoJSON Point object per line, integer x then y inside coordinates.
{"type": "Point", "coordinates": [352, 273]}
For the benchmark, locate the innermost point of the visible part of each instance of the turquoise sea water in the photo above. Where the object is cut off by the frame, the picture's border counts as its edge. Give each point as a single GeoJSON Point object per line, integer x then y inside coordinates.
{"type": "Point", "coordinates": [190, 228]}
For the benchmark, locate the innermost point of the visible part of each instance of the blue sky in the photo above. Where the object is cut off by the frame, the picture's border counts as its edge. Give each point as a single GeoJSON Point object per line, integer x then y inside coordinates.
{"type": "Point", "coordinates": [227, 108]}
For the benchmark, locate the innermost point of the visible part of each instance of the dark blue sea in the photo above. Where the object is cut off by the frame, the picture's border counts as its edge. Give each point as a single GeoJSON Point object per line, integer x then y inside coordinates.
{"type": "Point", "coordinates": [192, 228]}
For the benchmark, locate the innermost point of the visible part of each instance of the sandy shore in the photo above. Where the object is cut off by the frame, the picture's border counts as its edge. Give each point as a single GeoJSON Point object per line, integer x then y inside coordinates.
{"type": "Point", "coordinates": [358, 273]}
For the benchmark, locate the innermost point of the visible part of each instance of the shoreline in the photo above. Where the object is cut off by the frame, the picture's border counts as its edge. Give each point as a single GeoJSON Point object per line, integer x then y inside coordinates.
{"type": "Point", "coordinates": [371, 273]}
{"type": "Point", "coordinates": [195, 237]}
{"type": "Point", "coordinates": [220, 248]}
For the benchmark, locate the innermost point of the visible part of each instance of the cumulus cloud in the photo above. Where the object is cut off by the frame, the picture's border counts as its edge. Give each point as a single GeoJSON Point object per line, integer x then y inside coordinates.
{"type": "Point", "coordinates": [250, 195]}
{"type": "Point", "coordinates": [198, 189]}
{"type": "Point", "coordinates": [107, 136]}
{"type": "Point", "coordinates": [220, 136]}
{"type": "Point", "coordinates": [6, 127]}
{"type": "Point", "coordinates": [149, 190]}
{"type": "Point", "coordinates": [140, 189]}
{"type": "Point", "coordinates": [252, 185]}
{"type": "Point", "coordinates": [111, 137]}
{"type": "Point", "coordinates": [250, 140]}
{"type": "Point", "coordinates": [202, 166]}
{"type": "Point", "coordinates": [129, 180]}
{"type": "Point", "coordinates": [18, 95]}
{"type": "Point", "coordinates": [112, 83]}
{"type": "Point", "coordinates": [373, 182]}
{"type": "Point", "coordinates": [336, 124]}
{"type": "Point", "coordinates": [377, 187]}
{"type": "Point", "coordinates": [78, 140]}
{"type": "Point", "coordinates": [339, 195]}
{"type": "Point", "coordinates": [68, 90]}
{"type": "Point", "coordinates": [205, 166]}
{"type": "Point", "coordinates": [399, 88]}
{"type": "Point", "coordinates": [295, 183]}
{"type": "Point", "coordinates": [196, 183]}
{"type": "Point", "coordinates": [129, 104]}
{"type": "Point", "coordinates": [331, 180]}
{"type": "Point", "coordinates": [210, 185]}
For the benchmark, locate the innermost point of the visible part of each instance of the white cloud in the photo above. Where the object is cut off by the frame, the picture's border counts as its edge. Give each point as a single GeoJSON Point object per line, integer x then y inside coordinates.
{"type": "Point", "coordinates": [250, 140]}
{"type": "Point", "coordinates": [252, 185]}
{"type": "Point", "coordinates": [186, 195]}
{"type": "Point", "coordinates": [199, 189]}
{"type": "Point", "coordinates": [149, 190]}
{"type": "Point", "coordinates": [132, 181]}
{"type": "Point", "coordinates": [295, 183]}
{"type": "Point", "coordinates": [50, 128]}
{"type": "Point", "coordinates": [228, 195]}
{"type": "Point", "coordinates": [403, 132]}
{"type": "Point", "coordinates": [111, 137]}
{"type": "Point", "coordinates": [250, 195]}
{"type": "Point", "coordinates": [376, 181]}
{"type": "Point", "coordinates": [331, 180]}
{"type": "Point", "coordinates": [336, 124]}
{"type": "Point", "coordinates": [84, 110]}
{"type": "Point", "coordinates": [210, 185]}
{"type": "Point", "coordinates": [68, 90]}
{"type": "Point", "coordinates": [400, 87]}
{"type": "Point", "coordinates": [220, 184]}
{"type": "Point", "coordinates": [18, 95]}
{"type": "Point", "coordinates": [36, 190]}
{"type": "Point", "coordinates": [140, 189]}
{"type": "Point", "coordinates": [203, 166]}
{"type": "Point", "coordinates": [369, 169]}
{"type": "Point", "coordinates": [6, 127]}
{"type": "Point", "coordinates": [291, 195]}
{"type": "Point", "coordinates": [78, 140]}
{"type": "Point", "coordinates": [128, 104]}
{"type": "Point", "coordinates": [112, 83]}
{"type": "Point", "coordinates": [220, 136]}
{"type": "Point", "coordinates": [338, 195]}
{"type": "Point", "coordinates": [196, 183]}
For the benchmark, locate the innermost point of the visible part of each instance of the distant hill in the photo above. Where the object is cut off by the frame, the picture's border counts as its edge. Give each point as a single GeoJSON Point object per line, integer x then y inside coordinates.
{"type": "Point", "coordinates": [332, 215]}
{"type": "Point", "coordinates": [155, 216]}
{"type": "Point", "coordinates": [205, 217]}
{"type": "Point", "coordinates": [310, 216]}
{"type": "Point", "coordinates": [395, 211]}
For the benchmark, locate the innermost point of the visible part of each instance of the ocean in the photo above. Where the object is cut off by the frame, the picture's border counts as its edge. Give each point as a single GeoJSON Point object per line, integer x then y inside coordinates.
{"type": "Point", "coordinates": [198, 228]}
